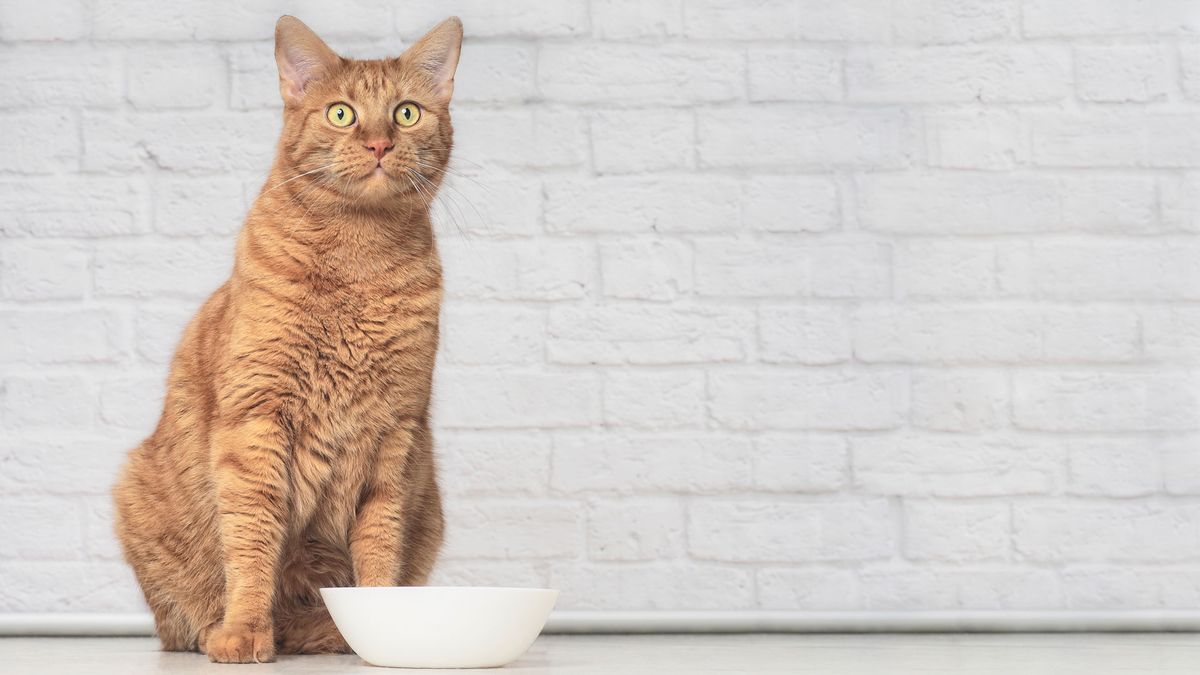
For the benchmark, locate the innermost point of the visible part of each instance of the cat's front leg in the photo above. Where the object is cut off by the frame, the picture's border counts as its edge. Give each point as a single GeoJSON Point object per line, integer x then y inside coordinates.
{"type": "Point", "coordinates": [250, 469]}
{"type": "Point", "coordinates": [377, 537]}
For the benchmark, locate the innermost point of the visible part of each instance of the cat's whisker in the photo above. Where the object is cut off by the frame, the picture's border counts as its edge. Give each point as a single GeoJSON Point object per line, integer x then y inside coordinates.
{"type": "Point", "coordinates": [306, 173]}
{"type": "Point", "coordinates": [447, 171]}
{"type": "Point", "coordinates": [300, 195]}
{"type": "Point", "coordinates": [434, 196]}
{"type": "Point", "coordinates": [448, 189]}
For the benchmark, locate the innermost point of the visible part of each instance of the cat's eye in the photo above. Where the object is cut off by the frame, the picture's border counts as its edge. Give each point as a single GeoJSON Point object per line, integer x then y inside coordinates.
{"type": "Point", "coordinates": [407, 114]}
{"type": "Point", "coordinates": [340, 115]}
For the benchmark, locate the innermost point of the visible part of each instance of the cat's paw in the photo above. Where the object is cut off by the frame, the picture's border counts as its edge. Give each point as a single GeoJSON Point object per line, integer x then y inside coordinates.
{"type": "Point", "coordinates": [202, 638]}
{"type": "Point", "coordinates": [239, 643]}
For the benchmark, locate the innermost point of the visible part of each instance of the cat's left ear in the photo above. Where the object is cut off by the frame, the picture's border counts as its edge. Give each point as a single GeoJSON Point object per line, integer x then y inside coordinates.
{"type": "Point", "coordinates": [436, 56]}
{"type": "Point", "coordinates": [302, 57]}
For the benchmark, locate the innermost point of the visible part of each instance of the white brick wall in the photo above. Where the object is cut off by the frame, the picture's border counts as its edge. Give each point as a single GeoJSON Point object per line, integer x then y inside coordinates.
{"type": "Point", "coordinates": [791, 304]}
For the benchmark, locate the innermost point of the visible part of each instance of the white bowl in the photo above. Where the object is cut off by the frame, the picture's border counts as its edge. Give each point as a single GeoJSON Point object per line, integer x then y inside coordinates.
{"type": "Point", "coordinates": [439, 627]}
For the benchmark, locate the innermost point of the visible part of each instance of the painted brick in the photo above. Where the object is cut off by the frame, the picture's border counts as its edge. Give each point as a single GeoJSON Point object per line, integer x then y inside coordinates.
{"type": "Point", "coordinates": [1119, 531]}
{"type": "Point", "coordinates": [61, 74]}
{"type": "Point", "coordinates": [959, 400]}
{"type": "Point", "coordinates": [1014, 203]}
{"type": "Point", "coordinates": [490, 462]}
{"type": "Point", "coordinates": [520, 18]}
{"type": "Point", "coordinates": [636, 205]}
{"type": "Point", "coordinates": [949, 269]}
{"type": "Point", "coordinates": [974, 139]}
{"type": "Point", "coordinates": [659, 140]}
{"type": "Point", "coordinates": [949, 21]}
{"type": "Point", "coordinates": [48, 142]}
{"type": "Point", "coordinates": [199, 206]}
{"type": "Point", "coordinates": [773, 531]}
{"type": "Point", "coordinates": [949, 466]}
{"type": "Point", "coordinates": [184, 269]}
{"type": "Point", "coordinates": [33, 463]}
{"type": "Point", "coordinates": [1105, 401]}
{"type": "Point", "coordinates": [809, 399]}
{"type": "Point", "coordinates": [607, 73]}
{"type": "Point", "coordinates": [957, 588]}
{"type": "Point", "coordinates": [1124, 73]}
{"type": "Point", "coordinates": [643, 529]}
{"type": "Point", "coordinates": [762, 268]}
{"type": "Point", "coordinates": [481, 334]}
{"type": "Point", "coordinates": [646, 269]}
{"type": "Point", "coordinates": [634, 19]}
{"type": "Point", "coordinates": [62, 402]}
{"type": "Point", "coordinates": [811, 334]}
{"type": "Point", "coordinates": [1114, 467]}
{"type": "Point", "coordinates": [70, 586]}
{"type": "Point", "coordinates": [1046, 18]}
{"type": "Point", "coordinates": [1181, 467]}
{"type": "Point", "coordinates": [645, 334]}
{"type": "Point", "coordinates": [791, 204]}
{"type": "Point", "coordinates": [500, 529]}
{"type": "Point", "coordinates": [495, 73]}
{"type": "Point", "coordinates": [486, 399]}
{"type": "Point", "coordinates": [994, 335]}
{"type": "Point", "coordinates": [67, 20]}
{"type": "Point", "coordinates": [651, 586]}
{"type": "Point", "coordinates": [518, 270]}
{"type": "Point", "coordinates": [689, 463]}
{"type": "Point", "coordinates": [1116, 138]}
{"type": "Point", "coordinates": [179, 141]}
{"type": "Point", "coordinates": [174, 77]}
{"type": "Point", "coordinates": [852, 20]}
{"type": "Point", "coordinates": [800, 463]}
{"type": "Point", "coordinates": [44, 271]}
{"type": "Point", "coordinates": [834, 137]}
{"type": "Point", "coordinates": [818, 589]}
{"type": "Point", "coordinates": [27, 522]}
{"type": "Point", "coordinates": [959, 74]}
{"type": "Point", "coordinates": [644, 399]}
{"type": "Point", "coordinates": [795, 74]}
{"type": "Point", "coordinates": [72, 207]}
{"type": "Point", "coordinates": [954, 532]}
{"type": "Point", "coordinates": [62, 336]}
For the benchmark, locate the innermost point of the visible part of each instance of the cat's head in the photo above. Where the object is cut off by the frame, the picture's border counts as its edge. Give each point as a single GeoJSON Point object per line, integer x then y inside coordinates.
{"type": "Point", "coordinates": [366, 131]}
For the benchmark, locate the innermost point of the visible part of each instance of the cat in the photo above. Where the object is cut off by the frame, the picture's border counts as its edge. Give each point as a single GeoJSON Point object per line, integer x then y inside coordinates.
{"type": "Point", "coordinates": [294, 447]}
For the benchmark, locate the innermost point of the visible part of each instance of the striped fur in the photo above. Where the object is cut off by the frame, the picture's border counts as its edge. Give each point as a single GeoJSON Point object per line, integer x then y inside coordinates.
{"type": "Point", "coordinates": [294, 448]}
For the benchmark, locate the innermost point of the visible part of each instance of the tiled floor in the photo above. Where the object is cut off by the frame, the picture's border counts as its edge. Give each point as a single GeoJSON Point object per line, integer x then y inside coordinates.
{"type": "Point", "coordinates": [1088, 654]}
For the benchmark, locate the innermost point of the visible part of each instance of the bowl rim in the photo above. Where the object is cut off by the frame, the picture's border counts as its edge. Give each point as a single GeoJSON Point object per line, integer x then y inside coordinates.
{"type": "Point", "coordinates": [438, 588]}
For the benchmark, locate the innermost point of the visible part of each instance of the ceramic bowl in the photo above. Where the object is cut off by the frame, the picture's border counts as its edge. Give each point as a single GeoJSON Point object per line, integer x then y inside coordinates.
{"type": "Point", "coordinates": [439, 627]}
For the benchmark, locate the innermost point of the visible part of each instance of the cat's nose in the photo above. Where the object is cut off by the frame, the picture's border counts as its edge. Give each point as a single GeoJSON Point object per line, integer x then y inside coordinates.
{"type": "Point", "coordinates": [379, 146]}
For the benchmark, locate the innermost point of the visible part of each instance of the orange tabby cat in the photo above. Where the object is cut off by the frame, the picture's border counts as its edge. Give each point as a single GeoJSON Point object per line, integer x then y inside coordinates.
{"type": "Point", "coordinates": [294, 449]}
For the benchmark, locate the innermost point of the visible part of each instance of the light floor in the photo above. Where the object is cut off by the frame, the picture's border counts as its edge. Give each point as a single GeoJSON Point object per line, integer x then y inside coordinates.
{"type": "Point", "coordinates": [1082, 654]}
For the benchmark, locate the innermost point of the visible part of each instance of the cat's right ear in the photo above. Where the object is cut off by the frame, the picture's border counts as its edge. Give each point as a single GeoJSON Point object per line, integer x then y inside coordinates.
{"type": "Point", "coordinates": [302, 57]}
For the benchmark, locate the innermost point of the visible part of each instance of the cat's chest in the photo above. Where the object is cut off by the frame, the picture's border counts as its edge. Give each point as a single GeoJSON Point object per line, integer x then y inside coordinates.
{"type": "Point", "coordinates": [361, 354]}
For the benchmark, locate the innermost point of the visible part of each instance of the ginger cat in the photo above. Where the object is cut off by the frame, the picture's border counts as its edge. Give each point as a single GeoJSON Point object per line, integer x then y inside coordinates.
{"type": "Point", "coordinates": [294, 448]}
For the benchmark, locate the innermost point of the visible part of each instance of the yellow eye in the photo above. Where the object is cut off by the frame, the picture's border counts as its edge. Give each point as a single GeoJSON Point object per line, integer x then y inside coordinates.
{"type": "Point", "coordinates": [407, 114]}
{"type": "Point", "coordinates": [340, 115]}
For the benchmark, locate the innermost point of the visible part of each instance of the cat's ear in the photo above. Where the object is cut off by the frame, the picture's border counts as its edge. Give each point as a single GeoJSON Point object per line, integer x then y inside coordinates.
{"type": "Point", "coordinates": [302, 57]}
{"type": "Point", "coordinates": [436, 56]}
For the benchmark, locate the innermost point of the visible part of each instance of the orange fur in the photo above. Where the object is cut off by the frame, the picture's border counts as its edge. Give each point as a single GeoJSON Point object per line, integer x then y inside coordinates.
{"type": "Point", "coordinates": [294, 448]}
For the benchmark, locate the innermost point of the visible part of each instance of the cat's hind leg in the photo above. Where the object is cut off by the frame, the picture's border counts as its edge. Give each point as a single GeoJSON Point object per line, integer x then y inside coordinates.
{"type": "Point", "coordinates": [302, 623]}
{"type": "Point", "coordinates": [308, 630]}
{"type": "Point", "coordinates": [168, 553]}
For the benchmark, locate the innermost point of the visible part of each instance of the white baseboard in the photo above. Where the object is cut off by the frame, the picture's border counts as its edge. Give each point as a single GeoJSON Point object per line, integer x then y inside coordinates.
{"type": "Point", "coordinates": [597, 622]}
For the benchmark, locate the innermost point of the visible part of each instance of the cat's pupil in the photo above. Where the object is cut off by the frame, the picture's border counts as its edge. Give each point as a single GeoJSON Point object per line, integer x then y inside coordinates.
{"type": "Point", "coordinates": [407, 113]}
{"type": "Point", "coordinates": [341, 113]}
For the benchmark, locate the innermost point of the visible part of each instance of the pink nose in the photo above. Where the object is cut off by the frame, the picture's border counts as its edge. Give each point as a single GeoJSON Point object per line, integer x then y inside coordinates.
{"type": "Point", "coordinates": [379, 146]}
